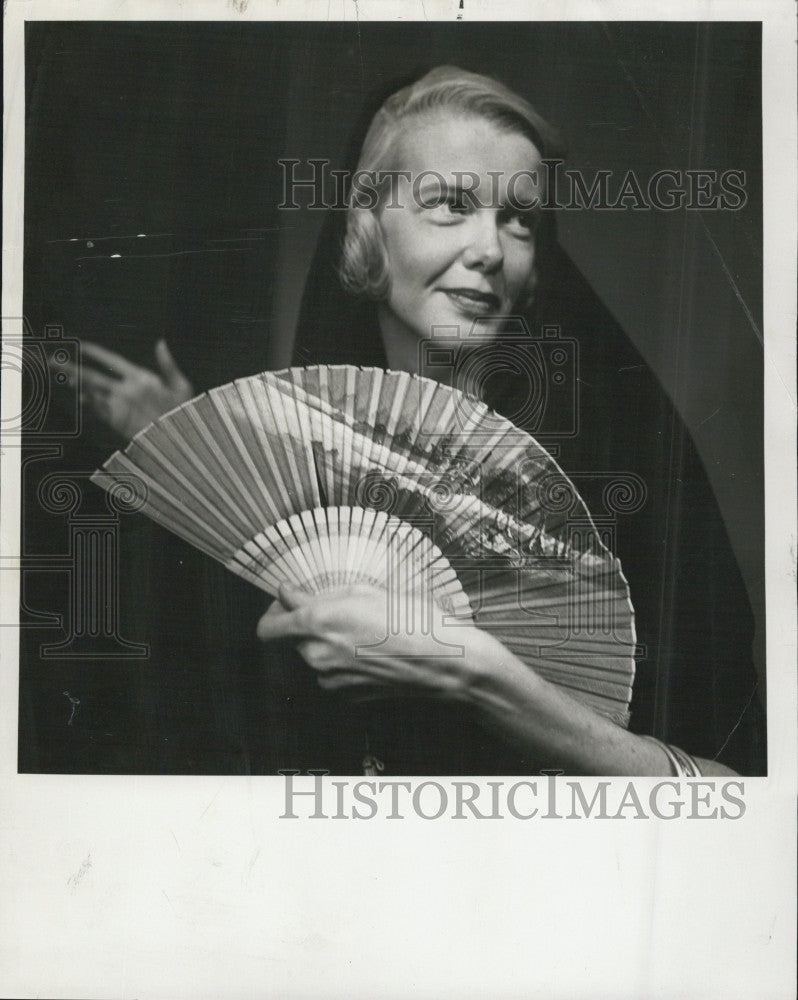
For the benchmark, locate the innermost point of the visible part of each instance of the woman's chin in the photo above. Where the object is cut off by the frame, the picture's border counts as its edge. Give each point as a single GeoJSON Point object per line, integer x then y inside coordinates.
{"type": "Point", "coordinates": [461, 325]}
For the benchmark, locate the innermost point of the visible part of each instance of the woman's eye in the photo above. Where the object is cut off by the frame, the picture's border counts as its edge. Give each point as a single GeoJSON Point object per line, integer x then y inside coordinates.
{"type": "Point", "coordinates": [449, 208]}
{"type": "Point", "coordinates": [457, 206]}
{"type": "Point", "coordinates": [522, 224]}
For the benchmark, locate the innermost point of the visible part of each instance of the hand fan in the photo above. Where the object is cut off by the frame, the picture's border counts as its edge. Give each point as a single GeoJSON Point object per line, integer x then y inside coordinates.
{"type": "Point", "coordinates": [333, 475]}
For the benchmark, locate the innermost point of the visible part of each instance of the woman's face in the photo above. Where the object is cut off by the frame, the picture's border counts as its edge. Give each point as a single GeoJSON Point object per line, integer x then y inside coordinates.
{"type": "Point", "coordinates": [463, 250]}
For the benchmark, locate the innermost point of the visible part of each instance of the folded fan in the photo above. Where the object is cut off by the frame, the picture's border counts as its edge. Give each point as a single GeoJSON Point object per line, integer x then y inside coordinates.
{"type": "Point", "coordinates": [333, 475]}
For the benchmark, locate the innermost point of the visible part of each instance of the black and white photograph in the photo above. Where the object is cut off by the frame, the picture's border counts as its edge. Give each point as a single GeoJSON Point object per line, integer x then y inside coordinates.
{"type": "Point", "coordinates": [170, 218]}
{"type": "Point", "coordinates": [397, 426]}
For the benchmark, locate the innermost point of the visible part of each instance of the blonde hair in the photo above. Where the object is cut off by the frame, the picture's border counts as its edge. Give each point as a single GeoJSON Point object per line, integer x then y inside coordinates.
{"type": "Point", "coordinates": [363, 267]}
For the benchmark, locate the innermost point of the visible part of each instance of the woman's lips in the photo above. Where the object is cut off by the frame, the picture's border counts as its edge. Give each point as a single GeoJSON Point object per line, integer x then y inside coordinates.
{"type": "Point", "coordinates": [472, 302]}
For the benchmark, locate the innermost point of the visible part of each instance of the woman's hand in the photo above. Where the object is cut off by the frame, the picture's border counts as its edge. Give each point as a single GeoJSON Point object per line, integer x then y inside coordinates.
{"type": "Point", "coordinates": [126, 396]}
{"type": "Point", "coordinates": [344, 636]}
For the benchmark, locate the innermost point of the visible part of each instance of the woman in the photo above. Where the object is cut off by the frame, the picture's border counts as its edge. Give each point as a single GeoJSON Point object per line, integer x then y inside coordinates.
{"type": "Point", "coordinates": [455, 235]}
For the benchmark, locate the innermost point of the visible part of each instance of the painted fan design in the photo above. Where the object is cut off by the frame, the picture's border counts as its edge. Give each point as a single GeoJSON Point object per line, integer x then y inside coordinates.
{"type": "Point", "coordinates": [332, 475]}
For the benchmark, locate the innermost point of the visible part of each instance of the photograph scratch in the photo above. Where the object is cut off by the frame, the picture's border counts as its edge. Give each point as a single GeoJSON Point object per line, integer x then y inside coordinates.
{"type": "Point", "coordinates": [75, 880]}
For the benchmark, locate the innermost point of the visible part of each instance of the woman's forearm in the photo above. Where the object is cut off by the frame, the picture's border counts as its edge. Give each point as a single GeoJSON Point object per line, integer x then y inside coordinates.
{"type": "Point", "coordinates": [560, 731]}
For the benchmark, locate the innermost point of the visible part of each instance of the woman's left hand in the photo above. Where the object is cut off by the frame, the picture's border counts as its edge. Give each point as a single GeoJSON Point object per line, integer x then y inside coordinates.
{"type": "Point", "coordinates": [124, 395]}
{"type": "Point", "coordinates": [344, 636]}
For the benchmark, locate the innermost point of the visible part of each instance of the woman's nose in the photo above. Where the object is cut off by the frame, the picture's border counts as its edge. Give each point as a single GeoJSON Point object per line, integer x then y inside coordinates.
{"type": "Point", "coordinates": [484, 249]}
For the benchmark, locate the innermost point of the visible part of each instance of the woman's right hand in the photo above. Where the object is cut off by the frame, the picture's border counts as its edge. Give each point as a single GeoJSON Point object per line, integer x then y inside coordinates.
{"type": "Point", "coordinates": [126, 396]}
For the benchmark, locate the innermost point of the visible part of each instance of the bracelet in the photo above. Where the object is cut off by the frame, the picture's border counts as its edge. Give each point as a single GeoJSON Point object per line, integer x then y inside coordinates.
{"type": "Point", "coordinates": [683, 765]}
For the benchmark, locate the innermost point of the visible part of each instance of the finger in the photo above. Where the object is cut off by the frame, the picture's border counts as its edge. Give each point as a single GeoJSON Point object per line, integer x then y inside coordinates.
{"type": "Point", "coordinates": [355, 688]}
{"type": "Point", "coordinates": [108, 358]}
{"type": "Point", "coordinates": [171, 373]}
{"type": "Point", "coordinates": [317, 654]}
{"type": "Point", "coordinates": [279, 625]}
{"type": "Point", "coordinates": [102, 409]}
{"type": "Point", "coordinates": [292, 597]}
{"type": "Point", "coordinates": [338, 680]}
{"type": "Point", "coordinates": [93, 380]}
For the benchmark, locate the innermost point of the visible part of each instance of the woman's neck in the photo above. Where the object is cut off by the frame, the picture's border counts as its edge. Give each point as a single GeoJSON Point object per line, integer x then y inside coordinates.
{"type": "Point", "coordinates": [404, 352]}
{"type": "Point", "coordinates": [400, 342]}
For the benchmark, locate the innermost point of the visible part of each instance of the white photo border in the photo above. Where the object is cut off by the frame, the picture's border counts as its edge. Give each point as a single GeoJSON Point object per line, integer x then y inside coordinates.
{"type": "Point", "coordinates": [184, 887]}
